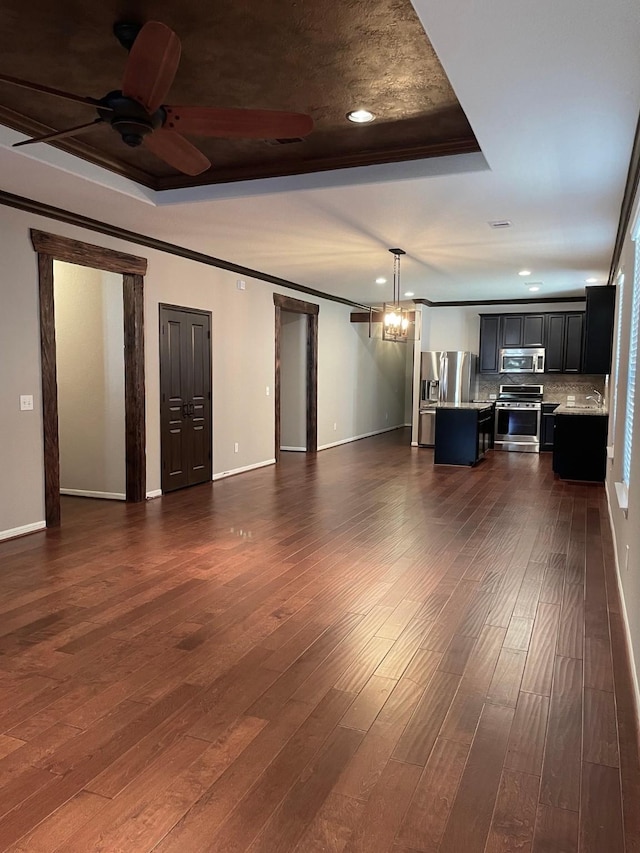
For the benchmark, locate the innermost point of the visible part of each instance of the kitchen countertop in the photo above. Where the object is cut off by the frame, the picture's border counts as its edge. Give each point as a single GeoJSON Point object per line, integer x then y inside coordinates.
{"type": "Point", "coordinates": [564, 409]}
{"type": "Point", "coordinates": [477, 406]}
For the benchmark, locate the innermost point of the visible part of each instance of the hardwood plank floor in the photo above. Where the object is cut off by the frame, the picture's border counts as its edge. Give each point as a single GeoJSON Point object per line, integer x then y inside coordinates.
{"type": "Point", "coordinates": [352, 652]}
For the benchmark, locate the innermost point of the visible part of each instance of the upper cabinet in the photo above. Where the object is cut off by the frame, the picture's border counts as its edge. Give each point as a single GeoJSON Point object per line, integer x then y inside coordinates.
{"type": "Point", "coordinates": [490, 343]}
{"type": "Point", "coordinates": [533, 330]}
{"type": "Point", "coordinates": [561, 334]}
{"type": "Point", "coordinates": [598, 343]}
{"type": "Point", "coordinates": [563, 347]}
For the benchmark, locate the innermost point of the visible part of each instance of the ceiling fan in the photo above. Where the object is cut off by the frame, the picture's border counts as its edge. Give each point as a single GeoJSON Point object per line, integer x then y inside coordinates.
{"type": "Point", "coordinates": [138, 114]}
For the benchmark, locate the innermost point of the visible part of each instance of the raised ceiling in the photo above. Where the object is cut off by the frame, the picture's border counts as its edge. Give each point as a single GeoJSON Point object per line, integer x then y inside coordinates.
{"type": "Point", "coordinates": [551, 91]}
{"type": "Point", "coordinates": [322, 58]}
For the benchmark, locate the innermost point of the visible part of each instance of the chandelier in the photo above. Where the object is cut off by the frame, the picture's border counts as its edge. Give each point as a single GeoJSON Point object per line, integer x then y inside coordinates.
{"type": "Point", "coordinates": [395, 322]}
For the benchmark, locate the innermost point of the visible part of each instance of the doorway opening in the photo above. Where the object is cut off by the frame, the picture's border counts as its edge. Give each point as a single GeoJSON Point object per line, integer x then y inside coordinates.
{"type": "Point", "coordinates": [185, 397]}
{"type": "Point", "coordinates": [297, 341]}
{"type": "Point", "coordinates": [50, 247]}
{"type": "Point", "coordinates": [89, 328]}
{"type": "Point", "coordinates": [293, 382]}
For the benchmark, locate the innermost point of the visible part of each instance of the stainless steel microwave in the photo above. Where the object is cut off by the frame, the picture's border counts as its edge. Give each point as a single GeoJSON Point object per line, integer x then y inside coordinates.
{"type": "Point", "coordinates": [521, 360]}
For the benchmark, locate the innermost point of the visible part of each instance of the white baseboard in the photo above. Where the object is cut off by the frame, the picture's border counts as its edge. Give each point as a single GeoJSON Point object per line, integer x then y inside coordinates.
{"type": "Point", "coordinates": [297, 449]}
{"type": "Point", "coordinates": [358, 437]}
{"type": "Point", "coordinates": [623, 608]}
{"type": "Point", "coordinates": [156, 493]}
{"type": "Point", "coordinates": [14, 532]}
{"type": "Point", "coordinates": [81, 493]}
{"type": "Point", "coordinates": [242, 470]}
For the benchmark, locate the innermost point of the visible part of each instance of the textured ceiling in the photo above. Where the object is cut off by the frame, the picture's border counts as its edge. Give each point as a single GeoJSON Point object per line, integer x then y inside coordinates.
{"type": "Point", "coordinates": [323, 58]}
{"type": "Point", "coordinates": [550, 89]}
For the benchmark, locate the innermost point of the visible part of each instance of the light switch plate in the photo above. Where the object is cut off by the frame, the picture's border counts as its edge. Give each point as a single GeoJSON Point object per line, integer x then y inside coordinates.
{"type": "Point", "coordinates": [26, 402]}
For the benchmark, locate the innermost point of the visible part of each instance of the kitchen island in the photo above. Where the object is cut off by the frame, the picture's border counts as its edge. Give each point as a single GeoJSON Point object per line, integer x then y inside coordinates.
{"type": "Point", "coordinates": [464, 433]}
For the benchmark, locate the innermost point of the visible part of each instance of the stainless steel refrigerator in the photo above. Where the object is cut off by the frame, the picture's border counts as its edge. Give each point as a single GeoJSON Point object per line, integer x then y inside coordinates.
{"type": "Point", "coordinates": [445, 377]}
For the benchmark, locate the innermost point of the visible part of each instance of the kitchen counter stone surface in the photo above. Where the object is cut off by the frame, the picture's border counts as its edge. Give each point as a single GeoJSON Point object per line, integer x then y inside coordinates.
{"type": "Point", "coordinates": [581, 410]}
{"type": "Point", "coordinates": [477, 406]}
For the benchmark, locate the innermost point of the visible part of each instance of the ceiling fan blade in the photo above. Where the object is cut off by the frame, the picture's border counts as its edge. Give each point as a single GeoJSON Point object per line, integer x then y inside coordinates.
{"type": "Point", "coordinates": [243, 124]}
{"type": "Point", "coordinates": [152, 65]}
{"type": "Point", "coordinates": [60, 134]}
{"type": "Point", "coordinates": [177, 152]}
{"type": "Point", "coordinates": [47, 90]}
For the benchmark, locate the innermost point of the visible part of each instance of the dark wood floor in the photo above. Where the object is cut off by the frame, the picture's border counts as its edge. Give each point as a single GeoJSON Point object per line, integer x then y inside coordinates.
{"type": "Point", "coordinates": [350, 653]}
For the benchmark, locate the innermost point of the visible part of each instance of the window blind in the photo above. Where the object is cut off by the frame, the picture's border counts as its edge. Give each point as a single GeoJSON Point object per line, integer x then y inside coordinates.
{"type": "Point", "coordinates": [618, 350]}
{"type": "Point", "coordinates": [631, 376]}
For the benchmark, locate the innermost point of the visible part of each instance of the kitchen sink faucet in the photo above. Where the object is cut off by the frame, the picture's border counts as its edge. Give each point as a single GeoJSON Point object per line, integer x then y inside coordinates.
{"type": "Point", "coordinates": [598, 398]}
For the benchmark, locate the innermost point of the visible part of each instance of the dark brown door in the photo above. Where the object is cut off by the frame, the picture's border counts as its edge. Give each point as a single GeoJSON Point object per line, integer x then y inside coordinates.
{"type": "Point", "coordinates": [185, 397]}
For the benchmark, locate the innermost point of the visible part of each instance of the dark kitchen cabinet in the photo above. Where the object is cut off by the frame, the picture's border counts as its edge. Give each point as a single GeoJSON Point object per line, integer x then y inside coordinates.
{"type": "Point", "coordinates": [533, 330]}
{"type": "Point", "coordinates": [546, 428]}
{"type": "Point", "coordinates": [564, 343]}
{"type": "Point", "coordinates": [522, 330]}
{"type": "Point", "coordinates": [512, 330]}
{"type": "Point", "coordinates": [573, 343]}
{"type": "Point", "coordinates": [463, 436]}
{"type": "Point", "coordinates": [554, 346]}
{"type": "Point", "coordinates": [561, 334]}
{"type": "Point", "coordinates": [580, 447]}
{"type": "Point", "coordinates": [598, 344]}
{"type": "Point", "coordinates": [489, 343]}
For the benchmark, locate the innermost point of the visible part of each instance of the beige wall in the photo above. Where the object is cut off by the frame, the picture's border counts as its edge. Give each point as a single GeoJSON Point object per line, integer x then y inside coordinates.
{"type": "Point", "coordinates": [360, 381]}
{"type": "Point", "coordinates": [626, 526]}
{"type": "Point", "coordinates": [458, 327]}
{"type": "Point", "coordinates": [90, 370]}
{"type": "Point", "coordinates": [293, 381]}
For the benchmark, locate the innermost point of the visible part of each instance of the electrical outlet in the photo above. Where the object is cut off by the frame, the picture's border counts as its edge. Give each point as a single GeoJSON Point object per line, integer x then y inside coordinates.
{"type": "Point", "coordinates": [386, 416]}
{"type": "Point", "coordinates": [268, 390]}
{"type": "Point", "coordinates": [571, 396]}
{"type": "Point", "coordinates": [26, 402]}
{"type": "Point", "coordinates": [626, 559]}
{"type": "Point", "coordinates": [241, 285]}
{"type": "Point", "coordinates": [335, 427]}
{"type": "Point", "coordinates": [235, 447]}
{"type": "Point", "coordinates": [493, 396]}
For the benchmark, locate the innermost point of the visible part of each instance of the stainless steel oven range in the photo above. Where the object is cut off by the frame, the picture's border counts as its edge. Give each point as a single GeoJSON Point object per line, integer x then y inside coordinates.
{"type": "Point", "coordinates": [518, 418]}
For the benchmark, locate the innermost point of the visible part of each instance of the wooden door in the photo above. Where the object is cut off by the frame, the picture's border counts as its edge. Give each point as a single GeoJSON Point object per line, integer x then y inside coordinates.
{"type": "Point", "coordinates": [185, 397]}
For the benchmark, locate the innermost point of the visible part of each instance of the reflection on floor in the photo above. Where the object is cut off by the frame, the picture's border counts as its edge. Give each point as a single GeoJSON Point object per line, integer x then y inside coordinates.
{"type": "Point", "coordinates": [352, 652]}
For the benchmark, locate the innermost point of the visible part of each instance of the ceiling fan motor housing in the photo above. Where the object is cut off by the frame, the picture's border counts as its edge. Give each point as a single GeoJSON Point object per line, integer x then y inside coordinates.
{"type": "Point", "coordinates": [129, 118]}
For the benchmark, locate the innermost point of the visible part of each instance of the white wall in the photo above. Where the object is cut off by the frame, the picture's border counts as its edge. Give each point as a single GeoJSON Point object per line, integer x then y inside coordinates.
{"type": "Point", "coordinates": [458, 327]}
{"type": "Point", "coordinates": [90, 371]}
{"type": "Point", "coordinates": [293, 381]}
{"type": "Point", "coordinates": [360, 380]}
{"type": "Point", "coordinates": [626, 526]}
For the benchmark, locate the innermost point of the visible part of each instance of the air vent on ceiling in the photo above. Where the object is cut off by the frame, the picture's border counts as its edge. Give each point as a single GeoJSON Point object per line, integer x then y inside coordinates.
{"type": "Point", "coordinates": [501, 223]}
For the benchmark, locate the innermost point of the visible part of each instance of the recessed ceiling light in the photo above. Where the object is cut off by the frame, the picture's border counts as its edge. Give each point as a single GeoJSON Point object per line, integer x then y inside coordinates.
{"type": "Point", "coordinates": [524, 272]}
{"type": "Point", "coordinates": [591, 280]}
{"type": "Point", "coordinates": [534, 289]}
{"type": "Point", "coordinates": [409, 293]}
{"type": "Point", "coordinates": [381, 280]}
{"type": "Point", "coordinates": [360, 116]}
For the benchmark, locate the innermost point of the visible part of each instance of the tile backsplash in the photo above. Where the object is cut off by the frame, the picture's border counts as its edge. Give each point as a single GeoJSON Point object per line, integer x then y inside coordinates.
{"type": "Point", "coordinates": [556, 386]}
